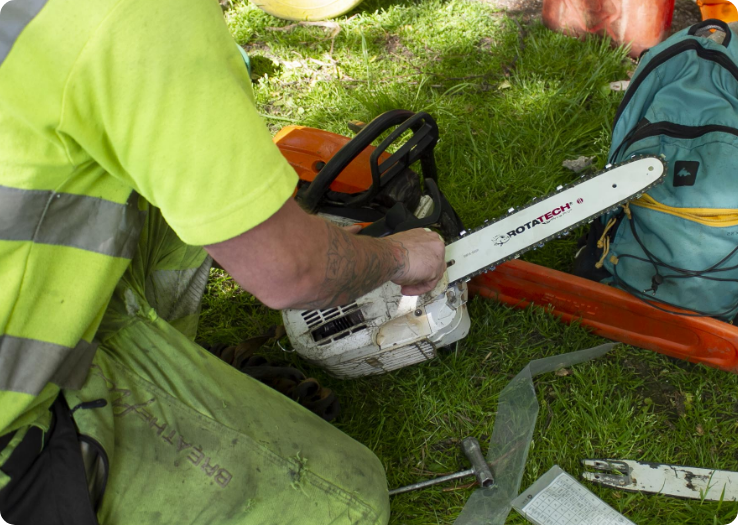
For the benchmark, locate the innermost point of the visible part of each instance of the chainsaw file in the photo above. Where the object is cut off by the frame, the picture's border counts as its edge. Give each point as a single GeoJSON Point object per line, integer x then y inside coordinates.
{"type": "Point", "coordinates": [384, 330]}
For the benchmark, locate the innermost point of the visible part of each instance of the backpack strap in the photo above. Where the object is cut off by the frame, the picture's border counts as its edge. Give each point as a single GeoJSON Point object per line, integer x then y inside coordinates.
{"type": "Point", "coordinates": [707, 26]}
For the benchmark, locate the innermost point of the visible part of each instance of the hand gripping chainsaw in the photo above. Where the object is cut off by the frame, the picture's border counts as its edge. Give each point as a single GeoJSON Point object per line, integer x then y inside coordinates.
{"type": "Point", "coordinates": [350, 181]}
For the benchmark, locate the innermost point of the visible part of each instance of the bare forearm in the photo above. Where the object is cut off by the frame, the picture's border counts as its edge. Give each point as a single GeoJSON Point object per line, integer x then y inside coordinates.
{"type": "Point", "coordinates": [295, 260]}
{"type": "Point", "coordinates": [353, 266]}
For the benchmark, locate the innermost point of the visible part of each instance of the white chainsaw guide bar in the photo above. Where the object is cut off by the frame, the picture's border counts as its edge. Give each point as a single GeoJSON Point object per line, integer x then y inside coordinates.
{"type": "Point", "coordinates": [669, 480]}
{"type": "Point", "coordinates": [540, 221]}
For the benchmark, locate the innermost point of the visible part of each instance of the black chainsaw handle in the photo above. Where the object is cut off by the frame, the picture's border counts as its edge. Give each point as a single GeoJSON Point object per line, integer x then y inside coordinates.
{"type": "Point", "coordinates": [418, 147]}
{"type": "Point", "coordinates": [400, 219]}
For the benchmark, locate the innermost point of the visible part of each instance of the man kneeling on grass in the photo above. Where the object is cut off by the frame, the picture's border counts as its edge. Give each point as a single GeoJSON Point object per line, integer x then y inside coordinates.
{"type": "Point", "coordinates": [129, 141]}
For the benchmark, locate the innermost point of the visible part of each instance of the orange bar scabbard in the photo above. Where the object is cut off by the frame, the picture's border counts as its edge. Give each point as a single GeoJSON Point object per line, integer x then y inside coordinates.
{"type": "Point", "coordinates": [612, 313]}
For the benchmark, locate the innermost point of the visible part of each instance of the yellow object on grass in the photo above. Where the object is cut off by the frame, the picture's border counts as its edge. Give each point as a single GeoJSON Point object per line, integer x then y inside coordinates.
{"type": "Point", "coordinates": [306, 10]}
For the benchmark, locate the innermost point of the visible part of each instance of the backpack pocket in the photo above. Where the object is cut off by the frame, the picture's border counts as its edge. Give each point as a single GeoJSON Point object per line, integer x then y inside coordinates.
{"type": "Point", "coordinates": [678, 245]}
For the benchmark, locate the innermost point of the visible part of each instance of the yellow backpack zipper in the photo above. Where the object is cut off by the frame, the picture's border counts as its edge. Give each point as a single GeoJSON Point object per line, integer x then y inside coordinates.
{"type": "Point", "coordinates": [715, 217]}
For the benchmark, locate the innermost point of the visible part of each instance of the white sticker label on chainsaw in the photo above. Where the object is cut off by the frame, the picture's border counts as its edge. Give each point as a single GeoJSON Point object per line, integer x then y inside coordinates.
{"type": "Point", "coordinates": [2, 521]}
{"type": "Point", "coordinates": [564, 501]}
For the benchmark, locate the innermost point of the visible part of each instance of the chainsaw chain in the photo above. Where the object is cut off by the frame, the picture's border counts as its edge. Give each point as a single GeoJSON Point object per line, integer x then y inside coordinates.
{"type": "Point", "coordinates": [582, 179]}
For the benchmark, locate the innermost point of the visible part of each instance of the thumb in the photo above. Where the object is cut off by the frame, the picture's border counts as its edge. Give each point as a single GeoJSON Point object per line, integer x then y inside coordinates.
{"type": "Point", "coordinates": [353, 228]}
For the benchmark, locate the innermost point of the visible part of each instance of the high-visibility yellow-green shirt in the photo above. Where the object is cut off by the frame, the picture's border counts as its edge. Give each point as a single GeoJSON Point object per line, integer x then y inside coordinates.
{"type": "Point", "coordinates": [100, 101]}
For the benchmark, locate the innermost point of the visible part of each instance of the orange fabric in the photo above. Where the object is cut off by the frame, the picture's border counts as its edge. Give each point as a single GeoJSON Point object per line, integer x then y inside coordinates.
{"type": "Point", "coordinates": [720, 9]}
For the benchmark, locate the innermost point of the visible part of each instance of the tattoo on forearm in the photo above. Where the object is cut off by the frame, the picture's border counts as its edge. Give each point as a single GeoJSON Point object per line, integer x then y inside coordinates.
{"type": "Point", "coordinates": [355, 267]}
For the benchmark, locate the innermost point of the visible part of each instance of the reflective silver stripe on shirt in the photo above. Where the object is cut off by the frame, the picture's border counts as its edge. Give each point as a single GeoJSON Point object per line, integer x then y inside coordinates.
{"type": "Point", "coordinates": [26, 365]}
{"type": "Point", "coordinates": [14, 17]}
{"type": "Point", "coordinates": [65, 219]}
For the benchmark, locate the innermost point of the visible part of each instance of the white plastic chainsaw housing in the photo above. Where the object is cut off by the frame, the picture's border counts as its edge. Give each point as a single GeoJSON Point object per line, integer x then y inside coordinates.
{"type": "Point", "coordinates": [382, 331]}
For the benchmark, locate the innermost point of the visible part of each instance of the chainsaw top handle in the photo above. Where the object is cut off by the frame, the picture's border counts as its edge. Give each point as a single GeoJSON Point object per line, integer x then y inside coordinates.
{"type": "Point", "coordinates": [418, 147]}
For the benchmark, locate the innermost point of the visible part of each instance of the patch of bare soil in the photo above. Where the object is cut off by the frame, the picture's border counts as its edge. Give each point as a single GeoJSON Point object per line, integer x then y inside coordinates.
{"type": "Point", "coordinates": [394, 46]}
{"type": "Point", "coordinates": [527, 10]}
{"type": "Point", "coordinates": [686, 13]}
{"type": "Point", "coordinates": [662, 395]}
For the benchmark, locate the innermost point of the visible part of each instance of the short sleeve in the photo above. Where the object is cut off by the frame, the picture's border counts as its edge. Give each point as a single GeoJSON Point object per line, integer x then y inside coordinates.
{"type": "Point", "coordinates": [160, 98]}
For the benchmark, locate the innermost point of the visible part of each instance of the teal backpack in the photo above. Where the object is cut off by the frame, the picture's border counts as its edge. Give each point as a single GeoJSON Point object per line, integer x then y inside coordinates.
{"type": "Point", "coordinates": [678, 244]}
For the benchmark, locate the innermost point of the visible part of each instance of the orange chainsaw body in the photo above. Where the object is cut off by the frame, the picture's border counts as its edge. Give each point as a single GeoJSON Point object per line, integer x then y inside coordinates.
{"type": "Point", "coordinates": [609, 312]}
{"type": "Point", "coordinates": [308, 149]}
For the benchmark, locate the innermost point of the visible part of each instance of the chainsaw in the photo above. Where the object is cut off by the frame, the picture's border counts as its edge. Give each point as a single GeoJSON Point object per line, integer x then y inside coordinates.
{"type": "Point", "coordinates": [350, 181]}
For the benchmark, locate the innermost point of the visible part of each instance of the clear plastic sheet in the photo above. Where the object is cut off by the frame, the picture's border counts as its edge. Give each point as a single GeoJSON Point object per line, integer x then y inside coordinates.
{"type": "Point", "coordinates": [513, 431]}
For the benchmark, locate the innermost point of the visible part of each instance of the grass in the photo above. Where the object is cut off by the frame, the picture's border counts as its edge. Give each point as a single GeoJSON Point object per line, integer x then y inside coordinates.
{"type": "Point", "coordinates": [513, 102]}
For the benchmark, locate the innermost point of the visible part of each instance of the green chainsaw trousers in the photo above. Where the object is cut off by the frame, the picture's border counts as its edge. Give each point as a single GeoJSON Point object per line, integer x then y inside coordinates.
{"type": "Point", "coordinates": [191, 440]}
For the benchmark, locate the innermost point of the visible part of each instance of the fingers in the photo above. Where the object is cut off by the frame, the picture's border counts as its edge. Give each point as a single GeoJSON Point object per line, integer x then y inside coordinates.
{"type": "Point", "coordinates": [418, 289]}
{"type": "Point", "coordinates": [421, 286]}
{"type": "Point", "coordinates": [426, 260]}
{"type": "Point", "coordinates": [352, 228]}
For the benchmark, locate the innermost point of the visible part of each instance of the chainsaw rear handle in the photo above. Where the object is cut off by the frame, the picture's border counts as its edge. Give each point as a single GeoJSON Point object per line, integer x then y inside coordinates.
{"type": "Point", "coordinates": [418, 147]}
{"type": "Point", "coordinates": [400, 219]}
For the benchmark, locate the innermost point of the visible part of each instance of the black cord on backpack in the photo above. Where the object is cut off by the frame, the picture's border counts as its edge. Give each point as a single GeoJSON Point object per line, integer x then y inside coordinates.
{"type": "Point", "coordinates": [689, 273]}
{"type": "Point", "coordinates": [659, 279]}
{"type": "Point", "coordinates": [639, 294]}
